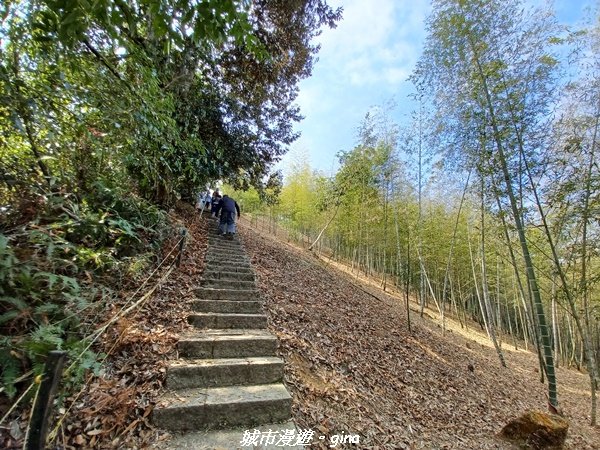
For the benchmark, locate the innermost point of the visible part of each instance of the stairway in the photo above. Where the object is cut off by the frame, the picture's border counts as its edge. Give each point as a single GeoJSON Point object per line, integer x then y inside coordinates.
{"type": "Point", "coordinates": [228, 378]}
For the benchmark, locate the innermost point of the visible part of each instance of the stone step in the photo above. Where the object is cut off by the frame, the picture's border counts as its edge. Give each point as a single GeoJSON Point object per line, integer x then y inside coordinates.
{"type": "Point", "coordinates": [212, 274]}
{"type": "Point", "coordinates": [219, 240]}
{"type": "Point", "coordinates": [231, 260]}
{"type": "Point", "coordinates": [226, 238]}
{"type": "Point", "coordinates": [199, 373]}
{"type": "Point", "coordinates": [225, 245]}
{"type": "Point", "coordinates": [217, 408]}
{"type": "Point", "coordinates": [226, 267]}
{"type": "Point", "coordinates": [228, 320]}
{"type": "Point", "coordinates": [228, 284]}
{"type": "Point", "coordinates": [221, 249]}
{"type": "Point", "coordinates": [214, 254]}
{"type": "Point", "coordinates": [206, 293]}
{"type": "Point", "coordinates": [227, 306]}
{"type": "Point", "coordinates": [216, 248]}
{"type": "Point", "coordinates": [227, 344]}
{"type": "Point", "coordinates": [230, 256]}
{"type": "Point", "coordinates": [224, 242]}
{"type": "Point", "coordinates": [232, 439]}
{"type": "Point", "coordinates": [221, 266]}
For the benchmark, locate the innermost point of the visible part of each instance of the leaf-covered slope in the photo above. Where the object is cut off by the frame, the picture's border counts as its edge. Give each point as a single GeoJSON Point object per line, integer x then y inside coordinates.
{"type": "Point", "coordinates": [112, 410]}
{"type": "Point", "coordinates": [353, 367]}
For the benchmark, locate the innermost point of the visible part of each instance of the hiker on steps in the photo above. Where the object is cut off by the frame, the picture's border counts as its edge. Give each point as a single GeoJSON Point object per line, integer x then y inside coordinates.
{"type": "Point", "coordinates": [228, 208]}
{"type": "Point", "coordinates": [215, 199]}
{"type": "Point", "coordinates": [204, 200]}
{"type": "Point", "coordinates": [207, 200]}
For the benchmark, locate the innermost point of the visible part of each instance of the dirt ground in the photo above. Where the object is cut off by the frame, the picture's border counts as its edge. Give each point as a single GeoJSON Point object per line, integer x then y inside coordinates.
{"type": "Point", "coordinates": [351, 364]}
{"type": "Point", "coordinates": [353, 367]}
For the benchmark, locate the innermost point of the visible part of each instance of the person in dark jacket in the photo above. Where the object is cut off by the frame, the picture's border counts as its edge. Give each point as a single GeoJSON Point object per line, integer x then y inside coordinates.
{"type": "Point", "coordinates": [216, 198]}
{"type": "Point", "coordinates": [228, 208]}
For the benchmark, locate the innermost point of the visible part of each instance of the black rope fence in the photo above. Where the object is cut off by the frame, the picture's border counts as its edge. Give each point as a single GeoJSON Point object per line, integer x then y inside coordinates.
{"type": "Point", "coordinates": [46, 385]}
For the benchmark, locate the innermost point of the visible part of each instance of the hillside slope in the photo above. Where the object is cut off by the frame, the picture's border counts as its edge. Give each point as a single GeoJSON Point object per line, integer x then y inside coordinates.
{"type": "Point", "coordinates": [353, 366]}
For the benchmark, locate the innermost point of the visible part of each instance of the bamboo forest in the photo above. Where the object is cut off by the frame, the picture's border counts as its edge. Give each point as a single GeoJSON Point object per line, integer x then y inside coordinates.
{"type": "Point", "coordinates": [470, 206]}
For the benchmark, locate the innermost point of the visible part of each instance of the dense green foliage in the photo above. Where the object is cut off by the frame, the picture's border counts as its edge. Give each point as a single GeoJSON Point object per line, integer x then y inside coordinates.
{"type": "Point", "coordinates": [111, 110]}
{"type": "Point", "coordinates": [61, 271]}
{"type": "Point", "coordinates": [161, 96]}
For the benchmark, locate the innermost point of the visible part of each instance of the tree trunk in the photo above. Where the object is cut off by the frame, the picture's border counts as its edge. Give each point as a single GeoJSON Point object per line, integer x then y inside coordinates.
{"type": "Point", "coordinates": [484, 285]}
{"type": "Point", "coordinates": [529, 269]}
{"type": "Point", "coordinates": [324, 228]}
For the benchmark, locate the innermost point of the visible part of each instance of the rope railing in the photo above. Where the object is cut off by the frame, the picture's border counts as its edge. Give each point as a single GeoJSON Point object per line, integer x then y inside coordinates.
{"type": "Point", "coordinates": [16, 403]}
{"type": "Point", "coordinates": [120, 314]}
{"type": "Point", "coordinates": [272, 226]}
{"type": "Point", "coordinates": [268, 224]}
{"type": "Point", "coordinates": [126, 309]}
{"type": "Point", "coordinates": [35, 437]}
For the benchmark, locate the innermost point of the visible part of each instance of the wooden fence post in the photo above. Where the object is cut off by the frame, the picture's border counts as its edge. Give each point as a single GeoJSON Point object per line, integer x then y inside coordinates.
{"type": "Point", "coordinates": [45, 398]}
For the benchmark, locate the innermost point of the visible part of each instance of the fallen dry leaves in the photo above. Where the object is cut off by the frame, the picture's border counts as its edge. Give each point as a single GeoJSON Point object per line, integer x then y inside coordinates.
{"type": "Point", "coordinates": [113, 410]}
{"type": "Point", "coordinates": [353, 367]}
{"type": "Point", "coordinates": [351, 364]}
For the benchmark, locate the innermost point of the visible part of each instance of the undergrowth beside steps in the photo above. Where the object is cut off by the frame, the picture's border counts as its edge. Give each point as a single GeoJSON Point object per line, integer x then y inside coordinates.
{"type": "Point", "coordinates": [64, 262]}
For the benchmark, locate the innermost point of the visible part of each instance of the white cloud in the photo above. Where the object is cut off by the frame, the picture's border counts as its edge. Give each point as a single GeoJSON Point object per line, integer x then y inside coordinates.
{"type": "Point", "coordinates": [364, 26]}
{"type": "Point", "coordinates": [375, 42]}
{"type": "Point", "coordinates": [395, 75]}
{"type": "Point", "coordinates": [308, 97]}
{"type": "Point", "coordinates": [364, 61]}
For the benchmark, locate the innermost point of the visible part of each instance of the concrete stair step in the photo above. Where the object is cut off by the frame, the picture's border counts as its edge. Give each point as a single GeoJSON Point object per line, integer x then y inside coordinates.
{"type": "Point", "coordinates": [228, 344]}
{"type": "Point", "coordinates": [229, 267]}
{"type": "Point", "coordinates": [221, 249]}
{"type": "Point", "coordinates": [221, 246]}
{"type": "Point", "coordinates": [222, 407]}
{"type": "Point", "coordinates": [216, 262]}
{"type": "Point", "coordinates": [216, 234]}
{"type": "Point", "coordinates": [219, 240]}
{"type": "Point", "coordinates": [218, 250]}
{"type": "Point", "coordinates": [227, 306]}
{"type": "Point", "coordinates": [217, 254]}
{"type": "Point", "coordinates": [227, 320]}
{"type": "Point", "coordinates": [242, 260]}
{"type": "Point", "coordinates": [198, 373]}
{"type": "Point", "coordinates": [216, 247]}
{"type": "Point", "coordinates": [229, 284]}
{"type": "Point", "coordinates": [221, 255]}
{"type": "Point", "coordinates": [232, 439]}
{"type": "Point", "coordinates": [212, 274]}
{"type": "Point", "coordinates": [206, 293]}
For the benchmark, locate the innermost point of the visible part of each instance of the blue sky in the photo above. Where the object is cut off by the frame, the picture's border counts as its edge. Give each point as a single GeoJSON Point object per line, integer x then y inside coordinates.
{"type": "Point", "coordinates": [365, 62]}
